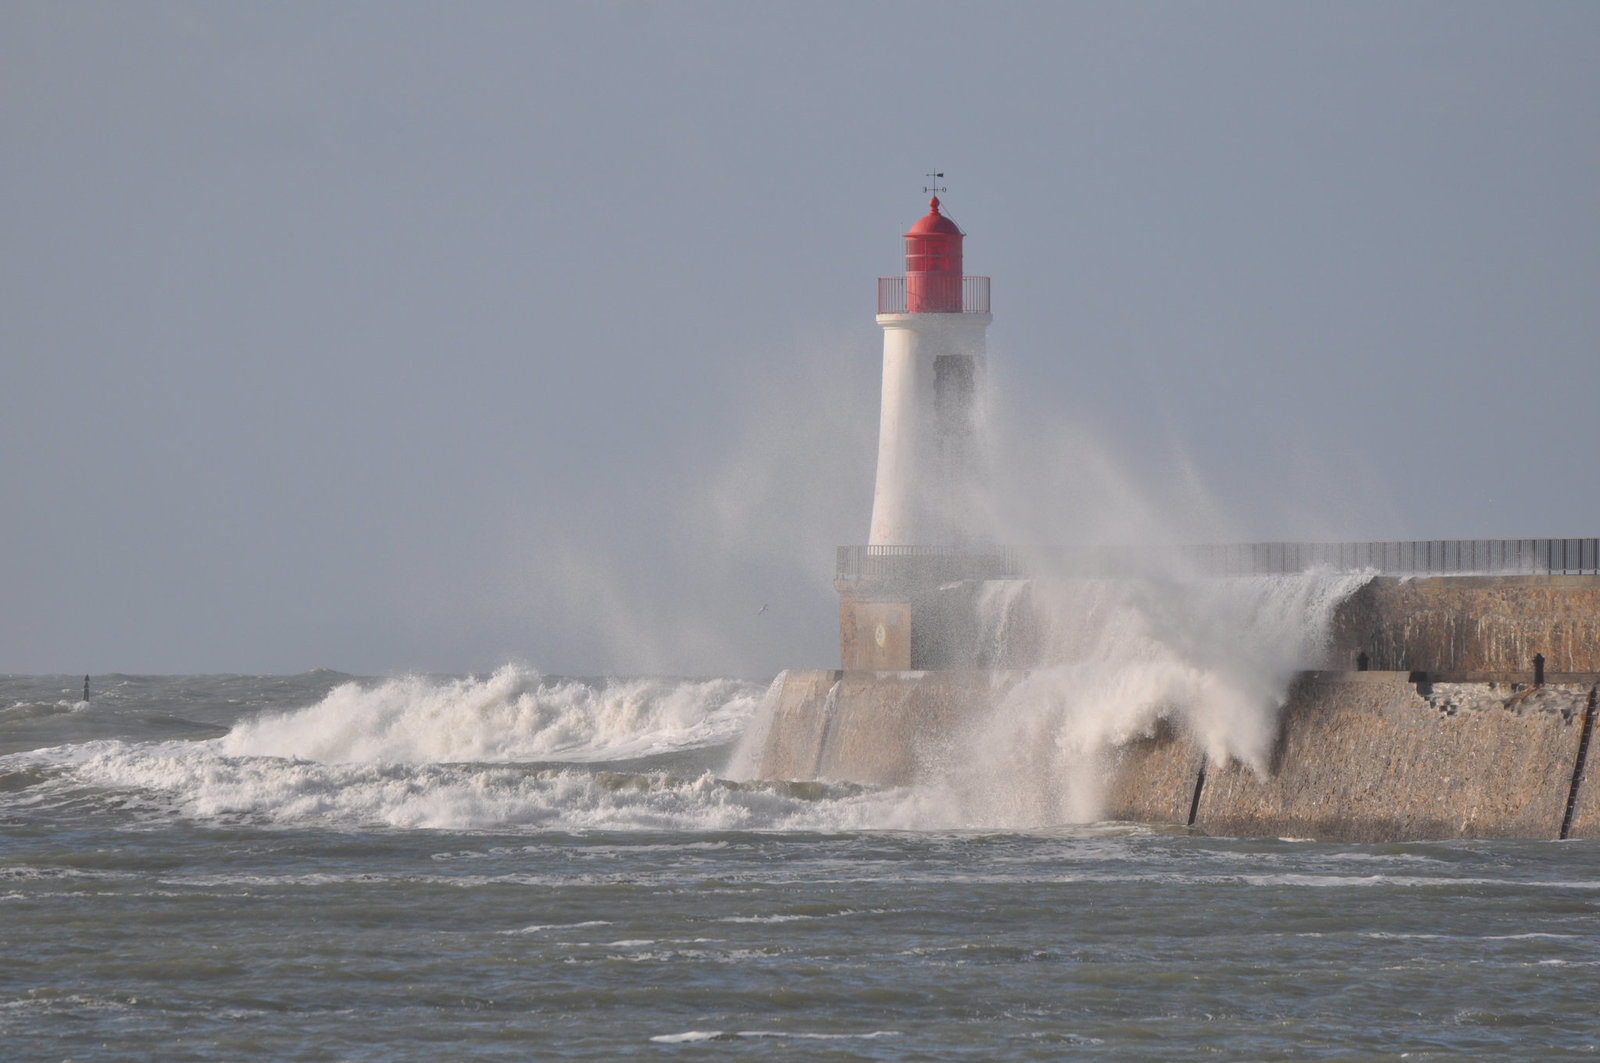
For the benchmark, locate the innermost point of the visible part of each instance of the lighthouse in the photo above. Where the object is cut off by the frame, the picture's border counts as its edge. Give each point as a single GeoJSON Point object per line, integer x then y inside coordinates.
{"type": "Point", "coordinates": [933, 319]}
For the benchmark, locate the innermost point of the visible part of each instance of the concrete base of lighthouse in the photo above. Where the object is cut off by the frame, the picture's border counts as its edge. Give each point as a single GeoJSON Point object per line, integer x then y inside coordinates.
{"type": "Point", "coordinates": [899, 627]}
{"type": "Point", "coordinates": [874, 631]}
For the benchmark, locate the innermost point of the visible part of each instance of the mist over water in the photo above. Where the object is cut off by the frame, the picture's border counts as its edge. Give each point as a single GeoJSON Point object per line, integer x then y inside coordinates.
{"type": "Point", "coordinates": [1086, 664]}
{"type": "Point", "coordinates": [1102, 661]}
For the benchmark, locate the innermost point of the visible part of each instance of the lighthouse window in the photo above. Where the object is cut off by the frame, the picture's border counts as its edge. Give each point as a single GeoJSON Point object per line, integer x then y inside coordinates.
{"type": "Point", "coordinates": [916, 255]}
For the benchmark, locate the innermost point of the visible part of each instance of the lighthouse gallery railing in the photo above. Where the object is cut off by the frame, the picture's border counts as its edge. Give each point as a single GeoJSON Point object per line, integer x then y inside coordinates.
{"type": "Point", "coordinates": [974, 295]}
{"type": "Point", "coordinates": [1420, 557]}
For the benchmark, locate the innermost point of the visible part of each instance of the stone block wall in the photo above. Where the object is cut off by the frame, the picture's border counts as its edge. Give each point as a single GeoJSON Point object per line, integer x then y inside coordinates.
{"type": "Point", "coordinates": [1472, 623]}
{"type": "Point", "coordinates": [1364, 756]}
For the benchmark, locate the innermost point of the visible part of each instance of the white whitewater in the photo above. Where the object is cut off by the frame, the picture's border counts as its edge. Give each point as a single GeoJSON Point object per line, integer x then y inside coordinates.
{"type": "Point", "coordinates": [1211, 657]}
{"type": "Point", "coordinates": [512, 751]}
{"type": "Point", "coordinates": [516, 714]}
{"type": "Point", "coordinates": [519, 751]}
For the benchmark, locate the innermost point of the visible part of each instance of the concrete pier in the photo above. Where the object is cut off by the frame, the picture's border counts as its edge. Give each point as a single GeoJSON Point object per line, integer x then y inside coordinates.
{"type": "Point", "coordinates": [1361, 756]}
{"type": "Point", "coordinates": [1441, 706]}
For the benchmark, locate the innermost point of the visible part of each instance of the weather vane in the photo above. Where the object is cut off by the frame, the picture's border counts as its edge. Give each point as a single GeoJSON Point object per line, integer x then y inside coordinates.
{"type": "Point", "coordinates": [935, 188]}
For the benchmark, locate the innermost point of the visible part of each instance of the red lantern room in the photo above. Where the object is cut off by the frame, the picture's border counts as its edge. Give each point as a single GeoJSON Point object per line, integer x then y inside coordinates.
{"type": "Point", "coordinates": [933, 264]}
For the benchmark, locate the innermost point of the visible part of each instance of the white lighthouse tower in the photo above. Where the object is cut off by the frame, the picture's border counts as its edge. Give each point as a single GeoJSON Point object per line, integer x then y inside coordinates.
{"type": "Point", "coordinates": [933, 322]}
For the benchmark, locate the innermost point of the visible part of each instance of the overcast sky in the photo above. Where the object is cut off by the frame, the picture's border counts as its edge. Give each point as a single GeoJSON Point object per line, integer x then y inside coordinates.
{"type": "Point", "coordinates": [389, 336]}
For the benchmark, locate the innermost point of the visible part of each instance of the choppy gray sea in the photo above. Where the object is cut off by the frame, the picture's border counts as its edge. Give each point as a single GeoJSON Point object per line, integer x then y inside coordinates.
{"type": "Point", "coordinates": [518, 866]}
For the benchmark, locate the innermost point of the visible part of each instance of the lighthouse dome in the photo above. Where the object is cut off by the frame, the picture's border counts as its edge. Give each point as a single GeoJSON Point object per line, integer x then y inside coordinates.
{"type": "Point", "coordinates": [934, 223]}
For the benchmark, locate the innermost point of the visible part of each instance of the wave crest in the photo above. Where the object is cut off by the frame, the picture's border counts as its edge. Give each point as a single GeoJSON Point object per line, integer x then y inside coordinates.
{"type": "Point", "coordinates": [514, 715]}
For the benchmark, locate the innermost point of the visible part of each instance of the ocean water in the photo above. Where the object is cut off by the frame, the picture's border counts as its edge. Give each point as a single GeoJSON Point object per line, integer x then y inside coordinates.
{"type": "Point", "coordinates": [518, 866]}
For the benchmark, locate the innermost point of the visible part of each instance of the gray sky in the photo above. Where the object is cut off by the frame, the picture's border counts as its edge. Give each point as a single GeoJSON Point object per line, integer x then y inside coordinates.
{"type": "Point", "coordinates": [395, 336]}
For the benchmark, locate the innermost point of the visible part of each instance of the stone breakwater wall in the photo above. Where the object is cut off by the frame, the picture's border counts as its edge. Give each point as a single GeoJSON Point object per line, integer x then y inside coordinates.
{"type": "Point", "coordinates": [1472, 623]}
{"type": "Point", "coordinates": [1361, 756]}
{"type": "Point", "coordinates": [1426, 623]}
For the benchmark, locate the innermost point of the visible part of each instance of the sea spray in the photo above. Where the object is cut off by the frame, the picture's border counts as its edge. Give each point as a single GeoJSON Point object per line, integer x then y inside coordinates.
{"type": "Point", "coordinates": [1083, 666]}
{"type": "Point", "coordinates": [1113, 659]}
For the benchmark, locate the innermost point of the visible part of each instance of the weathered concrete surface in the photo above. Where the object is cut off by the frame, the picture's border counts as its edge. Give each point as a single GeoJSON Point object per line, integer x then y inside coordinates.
{"type": "Point", "coordinates": [1152, 780]}
{"type": "Point", "coordinates": [792, 746]}
{"type": "Point", "coordinates": [1361, 755]}
{"type": "Point", "coordinates": [1370, 757]}
{"type": "Point", "coordinates": [874, 634]}
{"type": "Point", "coordinates": [1472, 623]}
{"type": "Point", "coordinates": [877, 728]}
{"type": "Point", "coordinates": [1586, 810]}
{"type": "Point", "coordinates": [895, 626]}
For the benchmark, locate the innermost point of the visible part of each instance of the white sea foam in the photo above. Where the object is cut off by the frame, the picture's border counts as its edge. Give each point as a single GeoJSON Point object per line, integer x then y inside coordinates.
{"type": "Point", "coordinates": [540, 928]}
{"type": "Point", "coordinates": [199, 780]}
{"type": "Point", "coordinates": [694, 1036]}
{"type": "Point", "coordinates": [513, 715]}
{"type": "Point", "coordinates": [473, 753]}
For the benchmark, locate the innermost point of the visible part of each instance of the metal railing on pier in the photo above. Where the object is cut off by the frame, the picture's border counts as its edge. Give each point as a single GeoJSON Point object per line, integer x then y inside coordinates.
{"type": "Point", "coordinates": [929, 563]}
{"type": "Point", "coordinates": [974, 295]}
{"type": "Point", "coordinates": [1420, 557]}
